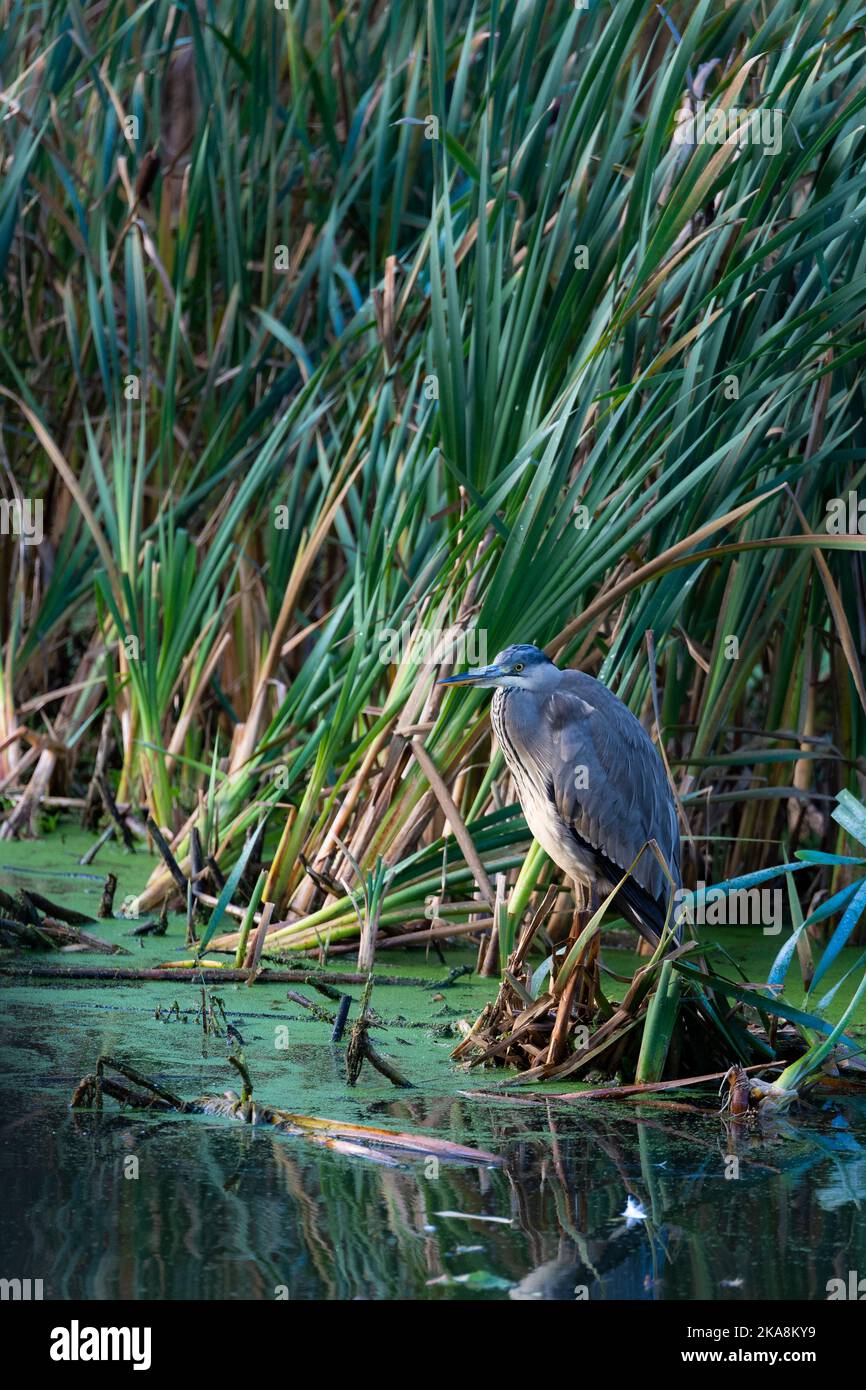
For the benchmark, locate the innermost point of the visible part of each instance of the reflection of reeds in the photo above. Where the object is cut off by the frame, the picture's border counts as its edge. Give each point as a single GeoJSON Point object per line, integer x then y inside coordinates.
{"type": "Point", "coordinates": [231, 1213]}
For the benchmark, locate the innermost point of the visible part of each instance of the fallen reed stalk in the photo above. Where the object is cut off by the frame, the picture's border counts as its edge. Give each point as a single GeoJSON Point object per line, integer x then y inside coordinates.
{"type": "Point", "coordinates": [209, 975]}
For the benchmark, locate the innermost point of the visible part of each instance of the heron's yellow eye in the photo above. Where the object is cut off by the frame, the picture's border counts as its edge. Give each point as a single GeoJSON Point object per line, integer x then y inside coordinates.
{"type": "Point", "coordinates": [518, 667]}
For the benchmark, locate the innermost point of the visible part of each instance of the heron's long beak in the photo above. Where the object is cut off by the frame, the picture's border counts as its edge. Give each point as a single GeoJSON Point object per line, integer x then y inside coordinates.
{"type": "Point", "coordinates": [477, 676]}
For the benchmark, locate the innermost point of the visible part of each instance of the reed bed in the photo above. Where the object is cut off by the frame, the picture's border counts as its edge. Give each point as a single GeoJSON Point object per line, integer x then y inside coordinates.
{"type": "Point", "coordinates": [340, 344]}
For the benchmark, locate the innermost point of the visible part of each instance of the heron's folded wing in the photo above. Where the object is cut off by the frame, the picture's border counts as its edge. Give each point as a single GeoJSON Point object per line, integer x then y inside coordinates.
{"type": "Point", "coordinates": [608, 781]}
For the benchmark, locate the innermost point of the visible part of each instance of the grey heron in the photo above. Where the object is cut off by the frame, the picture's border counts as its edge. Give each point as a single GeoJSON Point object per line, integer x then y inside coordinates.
{"type": "Point", "coordinates": [591, 784]}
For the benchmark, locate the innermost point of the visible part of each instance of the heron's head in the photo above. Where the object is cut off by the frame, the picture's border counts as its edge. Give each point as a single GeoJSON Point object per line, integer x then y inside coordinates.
{"type": "Point", "coordinates": [521, 666]}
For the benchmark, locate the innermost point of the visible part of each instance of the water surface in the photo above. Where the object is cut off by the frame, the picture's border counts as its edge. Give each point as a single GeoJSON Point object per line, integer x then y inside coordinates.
{"type": "Point", "coordinates": [591, 1201]}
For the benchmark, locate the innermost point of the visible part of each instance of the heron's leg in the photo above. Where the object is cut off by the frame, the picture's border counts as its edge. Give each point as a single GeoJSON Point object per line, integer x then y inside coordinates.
{"type": "Point", "coordinates": [579, 901]}
{"type": "Point", "coordinates": [592, 973]}
{"type": "Point", "coordinates": [563, 1020]}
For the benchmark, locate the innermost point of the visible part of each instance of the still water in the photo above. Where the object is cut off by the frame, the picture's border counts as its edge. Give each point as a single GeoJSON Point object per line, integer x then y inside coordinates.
{"type": "Point", "coordinates": [619, 1205]}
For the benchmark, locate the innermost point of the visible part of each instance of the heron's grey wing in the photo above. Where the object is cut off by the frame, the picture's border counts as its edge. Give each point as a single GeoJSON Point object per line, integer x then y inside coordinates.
{"type": "Point", "coordinates": [607, 780]}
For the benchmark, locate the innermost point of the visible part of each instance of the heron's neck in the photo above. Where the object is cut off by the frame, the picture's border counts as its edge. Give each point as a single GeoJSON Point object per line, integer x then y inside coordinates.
{"type": "Point", "coordinates": [503, 696]}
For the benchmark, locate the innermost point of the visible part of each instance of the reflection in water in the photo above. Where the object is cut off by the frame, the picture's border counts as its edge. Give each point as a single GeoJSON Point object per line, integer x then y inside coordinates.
{"type": "Point", "coordinates": [220, 1212]}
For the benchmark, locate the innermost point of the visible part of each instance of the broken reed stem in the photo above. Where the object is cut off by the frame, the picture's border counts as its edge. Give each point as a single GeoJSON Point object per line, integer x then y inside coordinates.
{"type": "Point", "coordinates": [559, 1036]}
{"type": "Point", "coordinates": [113, 813]}
{"type": "Point", "coordinates": [418, 938]}
{"type": "Point", "coordinates": [246, 1082]}
{"type": "Point", "coordinates": [90, 810]}
{"type": "Point", "coordinates": [196, 858]}
{"type": "Point", "coordinates": [64, 914]}
{"type": "Point", "coordinates": [384, 1066]}
{"type": "Point", "coordinates": [367, 942]}
{"type": "Point", "coordinates": [490, 966]}
{"type": "Point", "coordinates": [90, 854]}
{"type": "Point", "coordinates": [190, 914]}
{"type": "Point", "coordinates": [170, 861]}
{"type": "Point", "coordinates": [455, 820]}
{"type": "Point", "coordinates": [131, 1074]}
{"type": "Point", "coordinates": [231, 910]}
{"type": "Point", "coordinates": [27, 933]}
{"type": "Point", "coordinates": [356, 1050]}
{"type": "Point", "coordinates": [251, 915]}
{"type": "Point", "coordinates": [340, 1020]}
{"type": "Point", "coordinates": [196, 869]}
{"type": "Point", "coordinates": [218, 878]}
{"type": "Point", "coordinates": [254, 951]}
{"type": "Point", "coordinates": [109, 888]}
{"type": "Point", "coordinates": [197, 975]}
